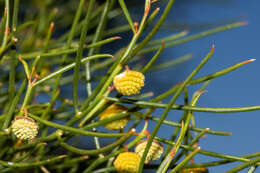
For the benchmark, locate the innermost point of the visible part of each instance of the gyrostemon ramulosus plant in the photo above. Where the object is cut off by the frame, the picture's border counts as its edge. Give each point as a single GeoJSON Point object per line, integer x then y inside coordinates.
{"type": "Point", "coordinates": [32, 46]}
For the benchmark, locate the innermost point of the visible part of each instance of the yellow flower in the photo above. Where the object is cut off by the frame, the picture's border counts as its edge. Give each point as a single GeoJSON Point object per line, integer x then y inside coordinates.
{"type": "Point", "coordinates": [129, 82]}
{"type": "Point", "coordinates": [110, 112]}
{"type": "Point", "coordinates": [24, 128]}
{"type": "Point", "coordinates": [154, 153]}
{"type": "Point", "coordinates": [127, 162]}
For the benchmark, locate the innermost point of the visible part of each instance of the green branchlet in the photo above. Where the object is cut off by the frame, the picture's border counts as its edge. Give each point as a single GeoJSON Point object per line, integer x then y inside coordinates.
{"type": "Point", "coordinates": [41, 56]}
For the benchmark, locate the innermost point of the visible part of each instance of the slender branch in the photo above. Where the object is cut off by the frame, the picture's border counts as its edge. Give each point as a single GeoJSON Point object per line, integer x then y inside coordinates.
{"type": "Point", "coordinates": [79, 54]}
{"type": "Point", "coordinates": [32, 164]}
{"type": "Point", "coordinates": [68, 67]}
{"type": "Point", "coordinates": [146, 104]}
{"type": "Point", "coordinates": [96, 151]}
{"type": "Point", "coordinates": [75, 130]}
{"type": "Point", "coordinates": [7, 29]}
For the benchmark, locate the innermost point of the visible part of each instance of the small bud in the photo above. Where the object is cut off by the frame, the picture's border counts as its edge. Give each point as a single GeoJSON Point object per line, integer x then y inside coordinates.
{"type": "Point", "coordinates": [24, 128]}
{"type": "Point", "coordinates": [129, 82]}
{"type": "Point", "coordinates": [46, 69]}
{"type": "Point", "coordinates": [154, 153]}
{"type": "Point", "coordinates": [111, 111]}
{"type": "Point", "coordinates": [59, 133]}
{"type": "Point", "coordinates": [194, 170]}
{"type": "Point", "coordinates": [127, 162]}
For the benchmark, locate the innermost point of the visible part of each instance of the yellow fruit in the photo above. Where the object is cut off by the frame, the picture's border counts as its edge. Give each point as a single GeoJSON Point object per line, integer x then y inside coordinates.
{"type": "Point", "coordinates": [194, 170]}
{"type": "Point", "coordinates": [24, 128]}
{"type": "Point", "coordinates": [127, 162]}
{"type": "Point", "coordinates": [129, 82]}
{"type": "Point", "coordinates": [154, 153]}
{"type": "Point", "coordinates": [110, 112]}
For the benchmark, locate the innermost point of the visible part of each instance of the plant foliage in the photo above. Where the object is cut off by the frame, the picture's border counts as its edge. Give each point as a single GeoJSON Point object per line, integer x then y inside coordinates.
{"type": "Point", "coordinates": [52, 51]}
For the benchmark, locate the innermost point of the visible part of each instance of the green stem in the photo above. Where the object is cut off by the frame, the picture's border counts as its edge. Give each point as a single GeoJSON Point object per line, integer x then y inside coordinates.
{"type": "Point", "coordinates": [75, 130]}
{"type": "Point", "coordinates": [252, 169]}
{"type": "Point", "coordinates": [185, 161]}
{"type": "Point", "coordinates": [166, 162]}
{"type": "Point", "coordinates": [69, 162]}
{"type": "Point", "coordinates": [175, 124]}
{"type": "Point", "coordinates": [97, 151]}
{"type": "Point", "coordinates": [94, 110]}
{"type": "Point", "coordinates": [2, 28]}
{"type": "Point", "coordinates": [106, 120]}
{"type": "Point", "coordinates": [244, 165]}
{"type": "Point", "coordinates": [167, 109]}
{"type": "Point", "coordinates": [183, 152]}
{"type": "Point", "coordinates": [127, 15]}
{"type": "Point", "coordinates": [207, 153]}
{"type": "Point", "coordinates": [7, 47]}
{"type": "Point", "coordinates": [154, 58]}
{"type": "Point", "coordinates": [172, 62]}
{"type": "Point", "coordinates": [70, 66]}
{"type": "Point", "coordinates": [59, 51]}
{"type": "Point", "coordinates": [193, 37]}
{"type": "Point", "coordinates": [108, 169]}
{"type": "Point", "coordinates": [146, 104]}
{"type": "Point", "coordinates": [220, 73]}
{"type": "Point", "coordinates": [220, 162]}
{"type": "Point", "coordinates": [79, 54]}
{"type": "Point", "coordinates": [98, 35]}
{"type": "Point", "coordinates": [11, 111]}
{"type": "Point", "coordinates": [155, 28]}
{"type": "Point", "coordinates": [45, 115]}
{"type": "Point", "coordinates": [196, 139]}
{"type": "Point", "coordinates": [48, 138]}
{"type": "Point", "coordinates": [74, 25]}
{"type": "Point", "coordinates": [169, 38]}
{"type": "Point", "coordinates": [32, 164]}
{"type": "Point", "coordinates": [174, 150]}
{"type": "Point", "coordinates": [27, 98]}
{"type": "Point", "coordinates": [15, 15]}
{"type": "Point", "coordinates": [11, 82]}
{"type": "Point", "coordinates": [13, 106]}
{"type": "Point", "coordinates": [152, 16]}
{"type": "Point", "coordinates": [6, 32]}
{"type": "Point", "coordinates": [29, 153]}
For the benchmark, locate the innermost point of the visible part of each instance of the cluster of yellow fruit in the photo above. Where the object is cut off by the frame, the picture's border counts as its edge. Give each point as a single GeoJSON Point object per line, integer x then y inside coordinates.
{"type": "Point", "coordinates": [130, 161]}
{"type": "Point", "coordinates": [127, 83]}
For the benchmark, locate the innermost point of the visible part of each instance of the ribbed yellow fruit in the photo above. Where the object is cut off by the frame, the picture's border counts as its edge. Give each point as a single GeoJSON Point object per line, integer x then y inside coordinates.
{"type": "Point", "coordinates": [24, 128]}
{"type": "Point", "coordinates": [127, 162]}
{"type": "Point", "coordinates": [129, 82]}
{"type": "Point", "coordinates": [154, 152]}
{"type": "Point", "coordinates": [110, 112]}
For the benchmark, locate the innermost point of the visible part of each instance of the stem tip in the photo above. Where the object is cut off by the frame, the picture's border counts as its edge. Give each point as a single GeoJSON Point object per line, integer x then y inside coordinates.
{"type": "Point", "coordinates": [212, 47]}
{"type": "Point", "coordinates": [244, 23]}
{"type": "Point", "coordinates": [248, 61]}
